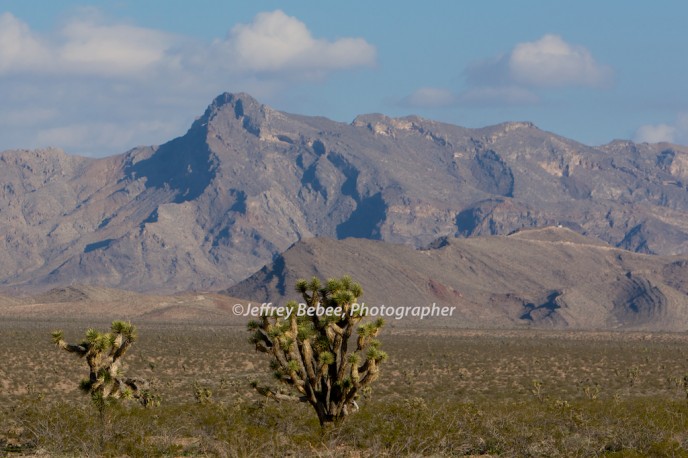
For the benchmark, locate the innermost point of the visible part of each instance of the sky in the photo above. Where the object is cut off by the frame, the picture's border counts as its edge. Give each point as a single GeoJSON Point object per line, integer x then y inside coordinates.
{"type": "Point", "coordinates": [99, 78]}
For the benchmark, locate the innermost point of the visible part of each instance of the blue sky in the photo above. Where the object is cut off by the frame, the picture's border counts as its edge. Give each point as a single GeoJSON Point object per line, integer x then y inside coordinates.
{"type": "Point", "coordinates": [98, 78]}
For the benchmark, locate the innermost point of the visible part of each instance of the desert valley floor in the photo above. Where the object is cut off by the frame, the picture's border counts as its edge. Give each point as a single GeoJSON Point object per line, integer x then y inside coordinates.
{"type": "Point", "coordinates": [442, 392]}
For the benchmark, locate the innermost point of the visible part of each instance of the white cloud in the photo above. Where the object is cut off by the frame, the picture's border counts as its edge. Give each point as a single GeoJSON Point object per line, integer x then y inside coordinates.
{"type": "Point", "coordinates": [20, 49]}
{"type": "Point", "coordinates": [430, 97]}
{"type": "Point", "coordinates": [550, 61]}
{"type": "Point", "coordinates": [83, 47]}
{"type": "Point", "coordinates": [94, 86]}
{"type": "Point", "coordinates": [672, 133]}
{"type": "Point", "coordinates": [96, 48]}
{"type": "Point", "coordinates": [276, 42]}
{"type": "Point", "coordinates": [655, 133]}
{"type": "Point", "coordinates": [272, 44]}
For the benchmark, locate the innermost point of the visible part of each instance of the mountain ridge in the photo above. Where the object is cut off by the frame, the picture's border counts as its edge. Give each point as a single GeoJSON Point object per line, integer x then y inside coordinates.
{"type": "Point", "coordinates": [209, 208]}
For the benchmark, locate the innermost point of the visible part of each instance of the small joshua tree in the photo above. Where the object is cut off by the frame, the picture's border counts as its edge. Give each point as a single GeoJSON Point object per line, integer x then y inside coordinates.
{"type": "Point", "coordinates": [310, 352]}
{"type": "Point", "coordinates": [103, 352]}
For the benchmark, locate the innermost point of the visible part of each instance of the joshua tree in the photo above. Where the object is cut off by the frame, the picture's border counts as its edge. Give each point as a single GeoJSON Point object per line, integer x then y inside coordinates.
{"type": "Point", "coordinates": [310, 350]}
{"type": "Point", "coordinates": [103, 352]}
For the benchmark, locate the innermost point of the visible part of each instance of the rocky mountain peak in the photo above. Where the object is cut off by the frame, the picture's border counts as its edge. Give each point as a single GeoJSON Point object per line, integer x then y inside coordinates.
{"type": "Point", "coordinates": [245, 182]}
{"type": "Point", "coordinates": [229, 111]}
{"type": "Point", "coordinates": [241, 103]}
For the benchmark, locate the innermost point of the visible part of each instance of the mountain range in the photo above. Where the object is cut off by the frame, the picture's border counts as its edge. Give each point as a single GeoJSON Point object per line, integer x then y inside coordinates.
{"type": "Point", "coordinates": [207, 210]}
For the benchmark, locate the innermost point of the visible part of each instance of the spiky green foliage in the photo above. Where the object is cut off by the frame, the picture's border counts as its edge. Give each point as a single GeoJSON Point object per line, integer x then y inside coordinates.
{"type": "Point", "coordinates": [311, 352]}
{"type": "Point", "coordinates": [103, 352]}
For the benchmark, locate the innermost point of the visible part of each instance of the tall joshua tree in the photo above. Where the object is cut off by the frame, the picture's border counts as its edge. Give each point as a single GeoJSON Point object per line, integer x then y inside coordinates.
{"type": "Point", "coordinates": [310, 352]}
{"type": "Point", "coordinates": [103, 352]}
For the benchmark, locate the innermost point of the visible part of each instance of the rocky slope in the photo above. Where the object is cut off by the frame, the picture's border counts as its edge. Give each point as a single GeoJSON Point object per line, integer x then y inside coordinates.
{"type": "Point", "coordinates": [208, 209]}
{"type": "Point", "coordinates": [549, 277]}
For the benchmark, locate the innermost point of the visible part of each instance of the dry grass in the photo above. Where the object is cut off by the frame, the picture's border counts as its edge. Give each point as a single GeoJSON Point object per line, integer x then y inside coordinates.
{"type": "Point", "coordinates": [441, 393]}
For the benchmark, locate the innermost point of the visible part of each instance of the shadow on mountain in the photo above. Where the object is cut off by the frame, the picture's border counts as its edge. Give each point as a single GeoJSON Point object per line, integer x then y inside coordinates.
{"type": "Point", "coordinates": [639, 301]}
{"type": "Point", "coordinates": [185, 165]}
{"type": "Point", "coordinates": [544, 312]}
{"type": "Point", "coordinates": [365, 221]}
{"type": "Point", "coordinates": [492, 174]}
